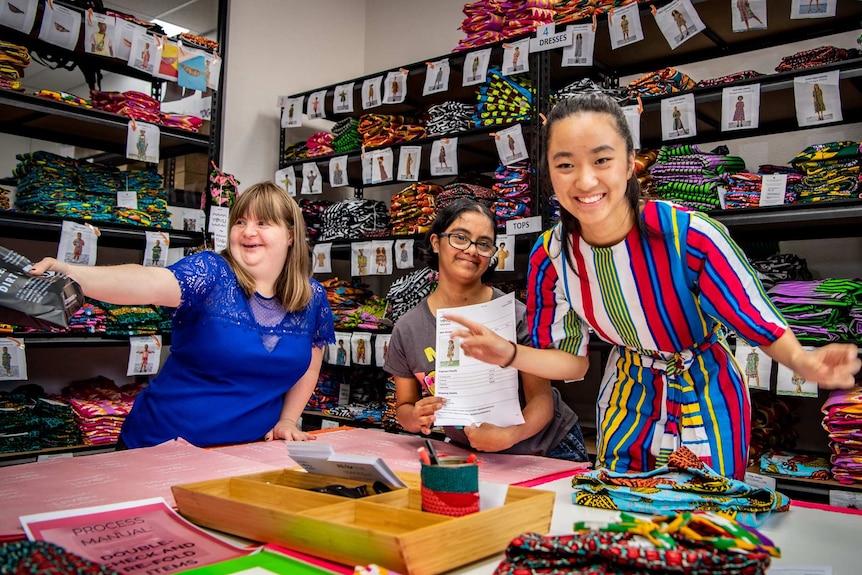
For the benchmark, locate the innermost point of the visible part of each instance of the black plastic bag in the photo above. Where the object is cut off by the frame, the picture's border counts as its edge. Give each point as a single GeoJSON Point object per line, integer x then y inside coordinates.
{"type": "Point", "coordinates": [44, 302]}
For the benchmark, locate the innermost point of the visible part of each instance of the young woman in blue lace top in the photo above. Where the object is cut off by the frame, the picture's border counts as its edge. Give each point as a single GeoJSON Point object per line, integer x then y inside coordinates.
{"type": "Point", "coordinates": [249, 329]}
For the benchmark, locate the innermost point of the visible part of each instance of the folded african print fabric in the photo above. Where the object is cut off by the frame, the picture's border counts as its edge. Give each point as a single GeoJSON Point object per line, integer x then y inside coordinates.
{"type": "Point", "coordinates": [43, 557]}
{"type": "Point", "coordinates": [698, 543]}
{"type": "Point", "coordinates": [685, 484]}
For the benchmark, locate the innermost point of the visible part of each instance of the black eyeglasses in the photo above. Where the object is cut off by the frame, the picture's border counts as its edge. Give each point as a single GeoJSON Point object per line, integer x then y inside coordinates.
{"type": "Point", "coordinates": [461, 242]}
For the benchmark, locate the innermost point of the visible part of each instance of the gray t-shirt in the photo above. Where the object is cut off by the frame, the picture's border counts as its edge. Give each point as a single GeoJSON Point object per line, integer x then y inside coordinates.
{"type": "Point", "coordinates": [412, 352]}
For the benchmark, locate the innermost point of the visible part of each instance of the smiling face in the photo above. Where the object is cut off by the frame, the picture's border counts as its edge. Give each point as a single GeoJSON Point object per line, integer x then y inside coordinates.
{"type": "Point", "coordinates": [260, 247]}
{"type": "Point", "coordinates": [464, 266]}
{"type": "Point", "coordinates": [589, 167]}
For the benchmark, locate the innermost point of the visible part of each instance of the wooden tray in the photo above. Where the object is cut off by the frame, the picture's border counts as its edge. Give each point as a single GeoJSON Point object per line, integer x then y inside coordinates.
{"type": "Point", "coordinates": [388, 529]}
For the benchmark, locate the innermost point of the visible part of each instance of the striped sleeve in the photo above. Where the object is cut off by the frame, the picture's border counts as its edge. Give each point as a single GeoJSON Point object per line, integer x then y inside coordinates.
{"type": "Point", "coordinates": [730, 290]}
{"type": "Point", "coordinates": [550, 317]}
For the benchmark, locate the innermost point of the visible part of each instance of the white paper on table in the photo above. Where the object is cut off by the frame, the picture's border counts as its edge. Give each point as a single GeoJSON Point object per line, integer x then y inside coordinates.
{"type": "Point", "coordinates": [476, 392]}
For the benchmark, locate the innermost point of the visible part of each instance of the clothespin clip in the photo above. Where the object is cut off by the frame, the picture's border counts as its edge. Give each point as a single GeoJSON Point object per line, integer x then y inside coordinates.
{"type": "Point", "coordinates": [430, 65]}
{"type": "Point", "coordinates": [652, 9]}
{"type": "Point", "coordinates": [611, 15]}
{"type": "Point", "coordinates": [94, 229]}
{"type": "Point", "coordinates": [133, 124]}
{"type": "Point", "coordinates": [507, 46]}
{"type": "Point", "coordinates": [595, 21]}
{"type": "Point", "coordinates": [362, 155]}
{"type": "Point", "coordinates": [543, 118]}
{"type": "Point", "coordinates": [19, 343]}
{"type": "Point", "coordinates": [159, 39]}
{"type": "Point", "coordinates": [495, 135]}
{"type": "Point", "coordinates": [157, 341]}
{"type": "Point", "coordinates": [51, 4]}
{"type": "Point", "coordinates": [404, 71]}
{"type": "Point", "coordinates": [444, 140]}
{"type": "Point", "coordinates": [640, 105]}
{"type": "Point", "coordinates": [90, 16]}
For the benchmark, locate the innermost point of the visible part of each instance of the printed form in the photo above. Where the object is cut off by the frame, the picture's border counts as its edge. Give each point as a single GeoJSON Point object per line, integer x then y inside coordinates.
{"type": "Point", "coordinates": [476, 392]}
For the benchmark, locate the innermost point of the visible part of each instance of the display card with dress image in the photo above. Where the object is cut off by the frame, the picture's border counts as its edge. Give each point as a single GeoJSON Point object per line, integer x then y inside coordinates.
{"type": "Point", "coordinates": [444, 157]}
{"type": "Point", "coordinates": [748, 15]}
{"type": "Point", "coordinates": [99, 34]}
{"type": "Point", "coordinates": [476, 67]}
{"type": "Point", "coordinates": [312, 182]}
{"type": "Point", "coordinates": [61, 26]}
{"type": "Point", "coordinates": [19, 14]}
{"type": "Point", "coordinates": [168, 66]}
{"type": "Point", "coordinates": [580, 53]}
{"type": "Point", "coordinates": [371, 94]}
{"type": "Point", "coordinates": [342, 100]}
{"type": "Point", "coordinates": [338, 352]}
{"type": "Point", "coordinates": [142, 142]}
{"type": "Point", "coordinates": [192, 73]}
{"type": "Point", "coordinates": [756, 366]}
{"type": "Point", "coordinates": [511, 147]}
{"type": "Point", "coordinates": [338, 172]}
{"type": "Point", "coordinates": [404, 254]}
{"type": "Point", "coordinates": [740, 107]}
{"type": "Point", "coordinates": [146, 53]}
{"type": "Point", "coordinates": [679, 22]}
{"type": "Point", "coordinates": [818, 99]}
{"type": "Point", "coordinates": [78, 244]}
{"type": "Point", "coordinates": [516, 57]}
{"type": "Point", "coordinates": [360, 345]}
{"type": "Point", "coordinates": [624, 26]}
{"type": "Point", "coordinates": [315, 105]}
{"type": "Point", "coordinates": [286, 178]}
{"type": "Point", "coordinates": [322, 258]}
{"type": "Point", "coordinates": [360, 258]}
{"type": "Point", "coordinates": [677, 117]}
{"type": "Point", "coordinates": [436, 77]}
{"type": "Point", "coordinates": [505, 253]}
{"type": "Point", "coordinates": [382, 250]}
{"type": "Point", "coordinates": [381, 167]}
{"type": "Point", "coordinates": [13, 359]}
{"type": "Point", "coordinates": [395, 87]}
{"type": "Point", "coordinates": [124, 34]}
{"type": "Point", "coordinates": [788, 382]}
{"type": "Point", "coordinates": [409, 158]}
{"type": "Point", "coordinates": [145, 354]}
{"type": "Point", "coordinates": [633, 119]}
{"type": "Point", "coordinates": [813, 9]}
{"type": "Point", "coordinates": [156, 250]}
{"type": "Point", "coordinates": [291, 113]}
{"type": "Point", "coordinates": [381, 348]}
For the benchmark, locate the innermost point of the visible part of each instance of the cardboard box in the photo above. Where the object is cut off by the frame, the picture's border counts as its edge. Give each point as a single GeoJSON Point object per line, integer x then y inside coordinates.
{"type": "Point", "coordinates": [387, 529]}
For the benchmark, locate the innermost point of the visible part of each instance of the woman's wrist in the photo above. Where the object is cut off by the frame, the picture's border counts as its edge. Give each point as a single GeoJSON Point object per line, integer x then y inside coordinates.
{"type": "Point", "coordinates": [514, 355]}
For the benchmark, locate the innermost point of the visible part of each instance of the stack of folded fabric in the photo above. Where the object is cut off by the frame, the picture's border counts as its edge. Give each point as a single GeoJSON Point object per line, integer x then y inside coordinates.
{"type": "Point", "coordinates": [524, 16]}
{"type": "Point", "coordinates": [489, 21]}
{"type": "Point", "coordinates": [503, 100]}
{"type": "Point", "coordinates": [413, 209]}
{"type": "Point", "coordinates": [407, 291]}
{"type": "Point", "coordinates": [792, 464]}
{"type": "Point", "coordinates": [743, 189]}
{"type": "Point", "coordinates": [842, 419]}
{"type": "Point", "coordinates": [13, 60]}
{"type": "Point", "coordinates": [384, 130]}
{"type": "Point", "coordinates": [355, 219]}
{"type": "Point", "coordinates": [19, 425]}
{"type": "Point", "coordinates": [587, 86]}
{"type": "Point", "coordinates": [831, 171]}
{"type": "Point", "coordinates": [821, 311]}
{"type": "Point", "coordinates": [512, 188]}
{"type": "Point", "coordinates": [345, 296]}
{"type": "Point", "coordinates": [319, 144]}
{"type": "Point", "coordinates": [688, 176]}
{"type": "Point", "coordinates": [131, 103]}
{"type": "Point", "coordinates": [815, 57]}
{"type": "Point", "coordinates": [773, 424]}
{"type": "Point", "coordinates": [369, 315]}
{"type": "Point", "coordinates": [181, 121]}
{"type": "Point", "coordinates": [100, 408]}
{"type": "Point", "coordinates": [312, 213]}
{"type": "Point", "coordinates": [780, 268]}
{"type": "Point", "coordinates": [346, 136]}
{"type": "Point", "coordinates": [5, 198]}
{"type": "Point", "coordinates": [64, 97]}
{"type": "Point", "coordinates": [297, 151]}
{"type": "Point", "coordinates": [573, 10]}
{"type": "Point", "coordinates": [644, 159]}
{"type": "Point", "coordinates": [455, 190]}
{"type": "Point", "coordinates": [135, 319]}
{"type": "Point", "coordinates": [325, 395]}
{"type": "Point", "coordinates": [659, 83]}
{"type": "Point", "coordinates": [449, 118]}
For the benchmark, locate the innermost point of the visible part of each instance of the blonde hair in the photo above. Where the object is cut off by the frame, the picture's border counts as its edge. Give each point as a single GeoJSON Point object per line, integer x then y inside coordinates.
{"type": "Point", "coordinates": [267, 201]}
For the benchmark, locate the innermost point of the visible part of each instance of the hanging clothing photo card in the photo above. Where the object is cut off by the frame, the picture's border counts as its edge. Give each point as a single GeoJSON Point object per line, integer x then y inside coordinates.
{"type": "Point", "coordinates": [633, 119]}
{"type": "Point", "coordinates": [342, 101]}
{"type": "Point", "coordinates": [156, 250]}
{"type": "Point", "coordinates": [395, 87]}
{"type": "Point", "coordinates": [61, 26]}
{"type": "Point", "coordinates": [516, 57]}
{"type": "Point", "coordinates": [315, 105]}
{"type": "Point", "coordinates": [145, 354]}
{"type": "Point", "coordinates": [286, 178]}
{"type": "Point", "coordinates": [382, 250]}
{"type": "Point", "coordinates": [511, 147]}
{"type": "Point", "coordinates": [291, 113]}
{"type": "Point", "coordinates": [436, 77]}
{"type": "Point", "coordinates": [338, 172]}
{"type": "Point", "coordinates": [381, 348]}
{"type": "Point", "coordinates": [367, 159]}
{"type": "Point", "coordinates": [812, 9]}
{"type": "Point", "coordinates": [677, 117]}
{"type": "Point", "coordinates": [409, 158]}
{"type": "Point", "coordinates": [788, 382]}
{"type": "Point", "coordinates": [740, 108]}
{"type": "Point", "coordinates": [818, 99]}
{"type": "Point", "coordinates": [381, 170]}
{"type": "Point", "coordinates": [371, 92]}
{"type": "Point", "coordinates": [748, 15]}
{"type": "Point", "coordinates": [475, 67]}
{"type": "Point", "coordinates": [169, 63]}
{"type": "Point", "coordinates": [142, 142]}
{"type": "Point", "coordinates": [146, 51]}
{"type": "Point", "coordinates": [678, 22]}
{"type": "Point", "coordinates": [360, 258]}
{"type": "Point", "coordinates": [444, 157]}
{"type": "Point", "coordinates": [213, 70]}
{"type": "Point", "coordinates": [505, 253]}
{"type": "Point", "coordinates": [322, 259]}
{"type": "Point", "coordinates": [99, 34]}
{"type": "Point", "coordinates": [624, 26]}
{"type": "Point", "coordinates": [192, 70]}
{"type": "Point", "coordinates": [580, 53]}
{"type": "Point", "coordinates": [124, 34]}
{"type": "Point", "coordinates": [312, 182]}
{"type": "Point", "coordinates": [19, 14]}
{"type": "Point", "coordinates": [360, 345]}
{"type": "Point", "coordinates": [13, 360]}
{"type": "Point", "coordinates": [78, 244]}
{"type": "Point", "coordinates": [756, 366]}
{"type": "Point", "coordinates": [339, 351]}
{"type": "Point", "coordinates": [404, 254]}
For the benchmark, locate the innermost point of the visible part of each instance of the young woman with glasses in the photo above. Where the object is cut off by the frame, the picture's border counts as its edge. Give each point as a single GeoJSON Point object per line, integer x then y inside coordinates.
{"type": "Point", "coordinates": [461, 246]}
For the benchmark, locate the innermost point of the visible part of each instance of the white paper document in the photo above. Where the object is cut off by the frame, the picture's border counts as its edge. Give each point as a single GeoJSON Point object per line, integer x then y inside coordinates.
{"type": "Point", "coordinates": [476, 392]}
{"type": "Point", "coordinates": [319, 457]}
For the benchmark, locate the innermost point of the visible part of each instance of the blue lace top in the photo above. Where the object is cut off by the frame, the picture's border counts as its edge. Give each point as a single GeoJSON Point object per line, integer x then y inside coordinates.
{"type": "Point", "coordinates": [220, 384]}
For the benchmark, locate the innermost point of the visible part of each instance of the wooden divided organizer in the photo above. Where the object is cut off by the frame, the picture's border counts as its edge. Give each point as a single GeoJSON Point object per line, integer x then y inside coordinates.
{"type": "Point", "coordinates": [387, 529]}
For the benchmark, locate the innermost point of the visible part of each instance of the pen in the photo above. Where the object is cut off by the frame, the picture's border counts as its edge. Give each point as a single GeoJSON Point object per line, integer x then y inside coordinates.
{"type": "Point", "coordinates": [423, 456]}
{"type": "Point", "coordinates": [432, 453]}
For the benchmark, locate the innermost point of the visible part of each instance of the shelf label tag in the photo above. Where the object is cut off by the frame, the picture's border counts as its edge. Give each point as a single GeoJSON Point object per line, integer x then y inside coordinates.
{"type": "Point", "coordinates": [849, 499]}
{"type": "Point", "coordinates": [218, 226]}
{"type": "Point", "coordinates": [758, 480]}
{"type": "Point", "coordinates": [328, 424]}
{"type": "Point", "coordinates": [344, 394]}
{"type": "Point", "coordinates": [127, 199]}
{"type": "Point", "coordinates": [546, 39]}
{"type": "Point", "coordinates": [47, 456]}
{"type": "Point", "coordinates": [524, 226]}
{"type": "Point", "coordinates": [772, 189]}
